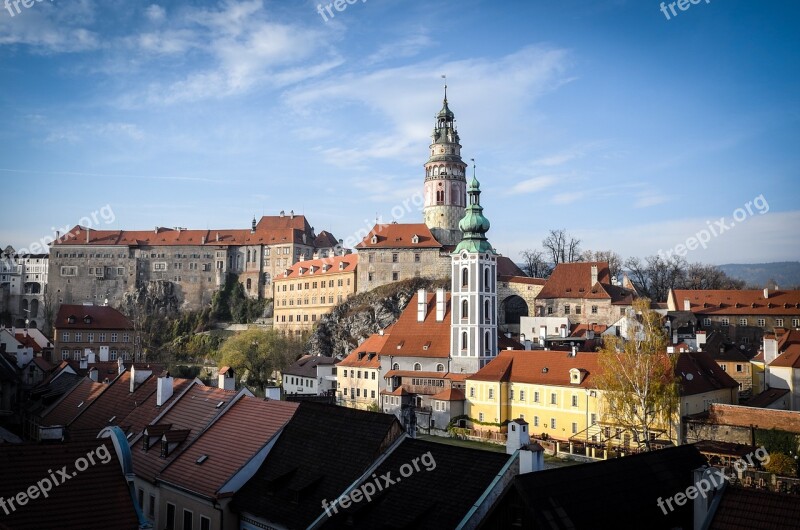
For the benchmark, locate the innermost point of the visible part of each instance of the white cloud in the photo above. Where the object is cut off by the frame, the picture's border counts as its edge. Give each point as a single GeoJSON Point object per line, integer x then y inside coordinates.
{"type": "Point", "coordinates": [155, 13]}
{"type": "Point", "coordinates": [534, 184]}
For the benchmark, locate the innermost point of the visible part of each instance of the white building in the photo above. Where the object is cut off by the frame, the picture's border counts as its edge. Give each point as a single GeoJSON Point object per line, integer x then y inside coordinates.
{"type": "Point", "coordinates": [310, 375]}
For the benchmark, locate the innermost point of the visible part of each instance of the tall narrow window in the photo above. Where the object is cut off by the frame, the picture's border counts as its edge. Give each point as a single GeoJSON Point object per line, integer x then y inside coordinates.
{"type": "Point", "coordinates": [486, 283]}
{"type": "Point", "coordinates": [464, 310]}
{"type": "Point", "coordinates": [464, 340]}
{"type": "Point", "coordinates": [464, 277]}
{"type": "Point", "coordinates": [487, 341]}
{"type": "Point", "coordinates": [487, 310]}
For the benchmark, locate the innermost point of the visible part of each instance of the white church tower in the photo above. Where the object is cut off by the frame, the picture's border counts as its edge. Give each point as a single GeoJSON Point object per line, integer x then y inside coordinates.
{"type": "Point", "coordinates": [473, 333]}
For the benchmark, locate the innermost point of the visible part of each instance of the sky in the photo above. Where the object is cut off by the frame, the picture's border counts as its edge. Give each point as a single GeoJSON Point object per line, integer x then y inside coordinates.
{"type": "Point", "coordinates": [635, 129]}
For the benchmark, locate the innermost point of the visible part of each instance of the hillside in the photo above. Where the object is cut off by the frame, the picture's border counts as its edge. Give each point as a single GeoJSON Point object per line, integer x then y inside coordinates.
{"type": "Point", "coordinates": [363, 314]}
{"type": "Point", "coordinates": [786, 273]}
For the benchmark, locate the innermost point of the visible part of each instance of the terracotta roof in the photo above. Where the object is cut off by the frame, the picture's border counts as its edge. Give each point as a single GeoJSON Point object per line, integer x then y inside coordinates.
{"type": "Point", "coordinates": [450, 394]}
{"type": "Point", "coordinates": [542, 367]}
{"type": "Point", "coordinates": [192, 411]}
{"type": "Point", "coordinates": [277, 222]}
{"type": "Point", "coordinates": [229, 443]}
{"type": "Point", "coordinates": [99, 317]}
{"type": "Point", "coordinates": [699, 373]}
{"type": "Point", "coordinates": [316, 457]}
{"type": "Point", "coordinates": [315, 268]}
{"type": "Point", "coordinates": [746, 508]}
{"type": "Point", "coordinates": [325, 240]}
{"type": "Point", "coordinates": [409, 338]}
{"type": "Point", "coordinates": [27, 342]}
{"type": "Point", "coordinates": [65, 410]}
{"type": "Point", "coordinates": [359, 357]}
{"type": "Point", "coordinates": [791, 337]}
{"type": "Point", "coordinates": [146, 411]}
{"type": "Point", "coordinates": [574, 280]}
{"type": "Point", "coordinates": [97, 498]}
{"type": "Point", "coordinates": [789, 358]}
{"type": "Point", "coordinates": [396, 235]}
{"type": "Point", "coordinates": [523, 280]}
{"type": "Point", "coordinates": [506, 267]}
{"type": "Point", "coordinates": [737, 302]}
{"type": "Point", "coordinates": [43, 364]}
{"type": "Point", "coordinates": [399, 391]}
{"type": "Point", "coordinates": [306, 366]}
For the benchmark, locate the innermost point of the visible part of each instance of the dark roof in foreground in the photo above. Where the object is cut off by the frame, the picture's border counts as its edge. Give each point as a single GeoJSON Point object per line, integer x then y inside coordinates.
{"type": "Point", "coordinates": [746, 508]}
{"type": "Point", "coordinates": [616, 493]}
{"type": "Point", "coordinates": [316, 457]}
{"type": "Point", "coordinates": [97, 498]}
{"type": "Point", "coordinates": [436, 498]}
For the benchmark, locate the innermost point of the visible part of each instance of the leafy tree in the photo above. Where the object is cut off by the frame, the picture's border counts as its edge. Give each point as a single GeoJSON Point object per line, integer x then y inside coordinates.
{"type": "Point", "coordinates": [781, 464]}
{"type": "Point", "coordinates": [637, 376]}
{"type": "Point", "coordinates": [259, 353]}
{"type": "Point", "coordinates": [374, 407]}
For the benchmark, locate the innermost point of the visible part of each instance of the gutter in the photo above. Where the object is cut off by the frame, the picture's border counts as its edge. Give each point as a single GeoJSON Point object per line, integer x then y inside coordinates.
{"type": "Point", "coordinates": [488, 490]}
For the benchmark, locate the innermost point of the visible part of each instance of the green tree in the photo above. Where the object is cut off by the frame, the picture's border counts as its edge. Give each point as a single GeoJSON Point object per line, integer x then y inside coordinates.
{"type": "Point", "coordinates": [781, 464]}
{"type": "Point", "coordinates": [257, 354]}
{"type": "Point", "coordinates": [637, 376]}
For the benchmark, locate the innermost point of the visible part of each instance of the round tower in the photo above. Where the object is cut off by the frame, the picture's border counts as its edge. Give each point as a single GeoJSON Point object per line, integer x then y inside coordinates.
{"type": "Point", "coordinates": [445, 180]}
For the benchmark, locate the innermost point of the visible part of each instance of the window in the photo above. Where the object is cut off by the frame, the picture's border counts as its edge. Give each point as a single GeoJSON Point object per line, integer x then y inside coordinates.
{"type": "Point", "coordinates": [151, 510]}
{"type": "Point", "coordinates": [574, 401]}
{"type": "Point", "coordinates": [594, 309]}
{"type": "Point", "coordinates": [102, 337]}
{"type": "Point", "coordinates": [90, 337]}
{"type": "Point", "coordinates": [574, 428]}
{"type": "Point", "coordinates": [464, 277]}
{"type": "Point", "coordinates": [487, 311]}
{"type": "Point", "coordinates": [511, 394]}
{"type": "Point", "coordinates": [113, 355]}
{"type": "Point", "coordinates": [416, 258]}
{"type": "Point", "coordinates": [440, 367]}
{"type": "Point", "coordinates": [170, 524]}
{"type": "Point", "coordinates": [536, 397]}
{"type": "Point", "coordinates": [566, 309]}
{"type": "Point", "coordinates": [536, 421]}
{"type": "Point", "coordinates": [724, 367]}
{"type": "Point", "coordinates": [553, 398]}
{"type": "Point", "coordinates": [65, 337]}
{"type": "Point", "coordinates": [726, 322]}
{"type": "Point", "coordinates": [552, 423]}
{"type": "Point", "coordinates": [64, 354]}
{"type": "Point", "coordinates": [472, 391]}
{"type": "Point", "coordinates": [522, 395]}
{"type": "Point", "coordinates": [549, 310]}
{"type": "Point", "coordinates": [464, 309]}
{"type": "Point", "coordinates": [593, 418]}
{"type": "Point", "coordinates": [739, 368]}
{"type": "Point", "coordinates": [395, 366]}
{"type": "Point", "coordinates": [205, 523]}
{"type": "Point", "coordinates": [187, 520]}
{"type": "Point", "coordinates": [480, 416]}
{"type": "Point", "coordinates": [706, 321]}
{"type": "Point", "coordinates": [373, 376]}
{"type": "Point", "coordinates": [491, 393]}
{"type": "Point", "coordinates": [395, 257]}
{"type": "Point", "coordinates": [778, 322]}
{"type": "Point", "coordinates": [78, 336]}
{"type": "Point", "coordinates": [395, 276]}
{"type": "Point", "coordinates": [464, 341]}
{"type": "Point", "coordinates": [796, 322]}
{"type": "Point", "coordinates": [69, 271]}
{"type": "Point", "coordinates": [742, 321]}
{"type": "Point", "coordinates": [577, 310]}
{"type": "Point", "coordinates": [761, 322]}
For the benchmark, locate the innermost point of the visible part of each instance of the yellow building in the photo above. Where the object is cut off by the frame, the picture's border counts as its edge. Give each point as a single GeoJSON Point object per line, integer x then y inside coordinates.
{"type": "Point", "coordinates": [551, 390]}
{"type": "Point", "coordinates": [358, 376]}
{"type": "Point", "coordinates": [309, 289]}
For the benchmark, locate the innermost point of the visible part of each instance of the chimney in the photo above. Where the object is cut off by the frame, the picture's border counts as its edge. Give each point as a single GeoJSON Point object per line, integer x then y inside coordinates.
{"type": "Point", "coordinates": [103, 354]}
{"type": "Point", "coordinates": [766, 293]}
{"type": "Point", "coordinates": [24, 356]}
{"type": "Point", "coordinates": [225, 379]}
{"type": "Point", "coordinates": [87, 235]}
{"type": "Point", "coordinates": [164, 389]}
{"type": "Point", "coordinates": [440, 305]}
{"type": "Point", "coordinates": [155, 230]}
{"type": "Point", "coordinates": [574, 351]}
{"type": "Point", "coordinates": [563, 331]}
{"type": "Point", "coordinates": [203, 240]}
{"type": "Point", "coordinates": [90, 356]}
{"type": "Point", "coordinates": [93, 374]}
{"type": "Point", "coordinates": [133, 376]}
{"type": "Point", "coordinates": [528, 345]}
{"type": "Point", "coordinates": [594, 275]}
{"type": "Point", "coordinates": [138, 377]}
{"type": "Point", "coordinates": [282, 213]}
{"type": "Point", "coordinates": [217, 237]}
{"type": "Point", "coordinates": [380, 332]}
{"type": "Point", "coordinates": [291, 214]}
{"type": "Point", "coordinates": [120, 365]}
{"type": "Point", "coordinates": [542, 334]}
{"type": "Point", "coordinates": [687, 304]}
{"type": "Point", "coordinates": [518, 435]}
{"type": "Point", "coordinates": [770, 349]}
{"type": "Point", "coordinates": [422, 305]}
{"type": "Point", "coordinates": [84, 363]}
{"type": "Point", "coordinates": [531, 458]}
{"type": "Point", "coordinates": [701, 339]}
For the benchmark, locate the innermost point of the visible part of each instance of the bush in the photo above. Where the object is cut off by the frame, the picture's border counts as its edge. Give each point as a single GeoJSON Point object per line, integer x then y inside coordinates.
{"type": "Point", "coordinates": [781, 464]}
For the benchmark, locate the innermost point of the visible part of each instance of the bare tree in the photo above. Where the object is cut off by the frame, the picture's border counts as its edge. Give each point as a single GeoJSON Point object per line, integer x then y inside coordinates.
{"type": "Point", "coordinates": [613, 259]}
{"type": "Point", "coordinates": [655, 276]}
{"type": "Point", "coordinates": [562, 247]}
{"type": "Point", "coordinates": [701, 276]}
{"type": "Point", "coordinates": [534, 264]}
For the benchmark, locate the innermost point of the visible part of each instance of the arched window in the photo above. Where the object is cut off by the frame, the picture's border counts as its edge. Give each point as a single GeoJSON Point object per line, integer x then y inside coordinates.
{"type": "Point", "coordinates": [440, 367]}
{"type": "Point", "coordinates": [439, 196]}
{"type": "Point", "coordinates": [248, 254]}
{"type": "Point", "coordinates": [417, 367]}
{"type": "Point", "coordinates": [463, 340]}
{"type": "Point", "coordinates": [395, 366]}
{"type": "Point", "coordinates": [487, 314]}
{"type": "Point", "coordinates": [464, 277]}
{"type": "Point", "coordinates": [486, 278]}
{"type": "Point", "coordinates": [487, 341]}
{"type": "Point", "coordinates": [249, 283]}
{"type": "Point", "coordinates": [436, 170]}
{"type": "Point", "coordinates": [464, 310]}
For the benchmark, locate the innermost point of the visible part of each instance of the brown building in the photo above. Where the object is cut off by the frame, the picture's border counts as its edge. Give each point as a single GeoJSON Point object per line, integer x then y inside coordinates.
{"type": "Point", "coordinates": [584, 293]}
{"type": "Point", "coordinates": [309, 289]}
{"type": "Point", "coordinates": [102, 329]}
{"type": "Point", "coordinates": [742, 316]}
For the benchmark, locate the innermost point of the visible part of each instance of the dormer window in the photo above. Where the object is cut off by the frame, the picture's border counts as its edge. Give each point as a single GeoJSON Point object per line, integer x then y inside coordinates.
{"type": "Point", "coordinates": [87, 319]}
{"type": "Point", "coordinates": [415, 239]}
{"type": "Point", "coordinates": [575, 376]}
{"type": "Point", "coordinates": [71, 319]}
{"type": "Point", "coordinates": [342, 265]}
{"type": "Point", "coordinates": [374, 240]}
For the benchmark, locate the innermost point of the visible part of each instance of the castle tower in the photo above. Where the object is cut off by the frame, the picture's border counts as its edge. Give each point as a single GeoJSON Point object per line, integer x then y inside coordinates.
{"type": "Point", "coordinates": [445, 180]}
{"type": "Point", "coordinates": [473, 333]}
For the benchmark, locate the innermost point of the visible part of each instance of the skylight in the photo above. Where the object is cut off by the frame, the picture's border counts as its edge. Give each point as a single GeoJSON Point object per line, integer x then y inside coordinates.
{"type": "Point", "coordinates": [202, 459]}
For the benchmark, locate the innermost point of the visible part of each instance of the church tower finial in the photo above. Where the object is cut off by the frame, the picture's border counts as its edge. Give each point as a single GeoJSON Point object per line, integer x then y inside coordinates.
{"type": "Point", "coordinates": [445, 178]}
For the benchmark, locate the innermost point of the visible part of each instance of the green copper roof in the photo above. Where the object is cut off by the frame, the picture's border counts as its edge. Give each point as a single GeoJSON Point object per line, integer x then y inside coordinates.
{"type": "Point", "coordinates": [445, 112]}
{"type": "Point", "coordinates": [474, 224]}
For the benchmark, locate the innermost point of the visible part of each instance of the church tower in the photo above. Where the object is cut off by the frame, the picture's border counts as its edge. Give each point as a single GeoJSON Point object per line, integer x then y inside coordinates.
{"type": "Point", "coordinates": [445, 180]}
{"type": "Point", "coordinates": [473, 330]}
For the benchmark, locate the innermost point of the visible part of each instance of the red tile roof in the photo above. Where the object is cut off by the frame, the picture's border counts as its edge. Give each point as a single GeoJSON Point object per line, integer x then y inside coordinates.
{"type": "Point", "coordinates": [28, 342]}
{"type": "Point", "coordinates": [65, 410]}
{"type": "Point", "coordinates": [315, 268]}
{"type": "Point", "coordinates": [99, 317]}
{"type": "Point", "coordinates": [229, 443]}
{"type": "Point", "coordinates": [97, 498]}
{"type": "Point", "coordinates": [359, 357]}
{"type": "Point", "coordinates": [450, 394]}
{"type": "Point", "coordinates": [396, 235]}
{"type": "Point", "coordinates": [699, 373]}
{"type": "Point", "coordinates": [526, 280]}
{"type": "Point", "coordinates": [574, 280]}
{"type": "Point", "coordinates": [737, 302]}
{"type": "Point", "coordinates": [410, 338]}
{"type": "Point", "coordinates": [146, 411]}
{"type": "Point", "coordinates": [539, 367]}
{"type": "Point", "coordinates": [192, 411]}
{"type": "Point", "coordinates": [746, 508]}
{"type": "Point", "coordinates": [506, 267]}
{"type": "Point", "coordinates": [790, 358]}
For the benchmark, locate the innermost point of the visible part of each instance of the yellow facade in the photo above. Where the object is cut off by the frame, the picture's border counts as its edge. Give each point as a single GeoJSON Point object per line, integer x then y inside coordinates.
{"type": "Point", "coordinates": [357, 387]}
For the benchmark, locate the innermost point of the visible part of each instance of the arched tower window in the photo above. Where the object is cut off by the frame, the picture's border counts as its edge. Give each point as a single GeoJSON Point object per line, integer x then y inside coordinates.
{"type": "Point", "coordinates": [463, 340]}
{"type": "Point", "coordinates": [464, 277]}
{"type": "Point", "coordinates": [487, 341]}
{"type": "Point", "coordinates": [395, 366]}
{"type": "Point", "coordinates": [440, 367]}
{"type": "Point", "coordinates": [464, 310]}
{"type": "Point", "coordinates": [417, 367]}
{"type": "Point", "coordinates": [486, 278]}
{"type": "Point", "coordinates": [487, 308]}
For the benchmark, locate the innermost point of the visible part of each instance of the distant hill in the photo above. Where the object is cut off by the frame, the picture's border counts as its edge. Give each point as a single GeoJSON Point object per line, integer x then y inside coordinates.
{"type": "Point", "coordinates": [785, 273]}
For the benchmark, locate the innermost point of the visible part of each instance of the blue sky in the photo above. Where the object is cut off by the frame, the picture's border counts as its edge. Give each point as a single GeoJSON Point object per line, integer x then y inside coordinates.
{"type": "Point", "coordinates": [631, 131]}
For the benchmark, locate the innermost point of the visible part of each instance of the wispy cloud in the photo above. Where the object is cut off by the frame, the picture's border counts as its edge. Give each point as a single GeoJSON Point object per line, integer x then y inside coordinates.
{"type": "Point", "coordinates": [535, 184]}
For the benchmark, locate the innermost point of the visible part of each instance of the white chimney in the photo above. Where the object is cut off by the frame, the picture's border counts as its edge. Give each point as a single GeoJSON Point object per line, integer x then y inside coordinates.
{"type": "Point", "coordinates": [518, 435]}
{"type": "Point", "coordinates": [594, 274]}
{"type": "Point", "coordinates": [766, 292]}
{"type": "Point", "coordinates": [93, 374]}
{"type": "Point", "coordinates": [770, 349]}
{"type": "Point", "coordinates": [542, 334]}
{"type": "Point", "coordinates": [440, 305]}
{"type": "Point", "coordinates": [164, 389]}
{"type": "Point", "coordinates": [531, 458]}
{"type": "Point", "coordinates": [687, 304]}
{"type": "Point", "coordinates": [138, 377]}
{"type": "Point", "coordinates": [225, 379]}
{"type": "Point", "coordinates": [120, 366]}
{"type": "Point", "coordinates": [563, 332]}
{"type": "Point", "coordinates": [701, 339]}
{"type": "Point", "coordinates": [24, 356]}
{"type": "Point", "coordinates": [103, 354]}
{"type": "Point", "coordinates": [528, 344]}
{"type": "Point", "coordinates": [84, 363]}
{"type": "Point", "coordinates": [422, 305]}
